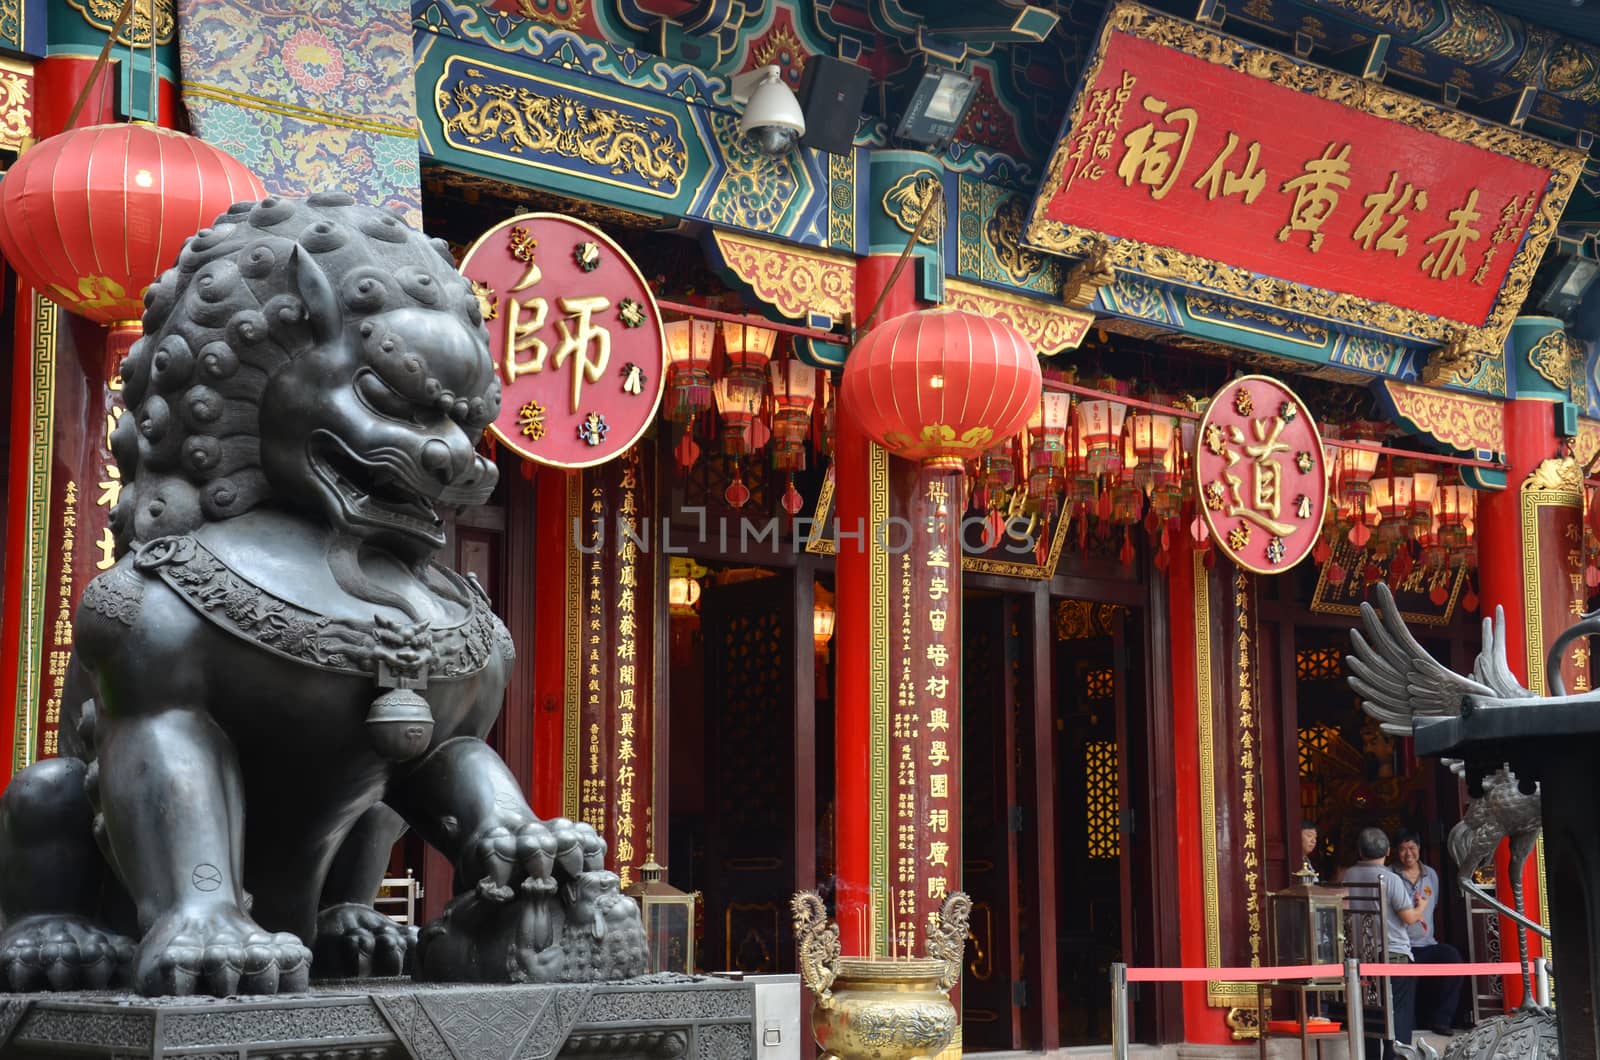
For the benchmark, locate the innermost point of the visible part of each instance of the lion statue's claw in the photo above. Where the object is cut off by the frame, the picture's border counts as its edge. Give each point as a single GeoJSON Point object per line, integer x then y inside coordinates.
{"type": "Point", "coordinates": [221, 952]}
{"type": "Point", "coordinates": [357, 941]}
{"type": "Point", "coordinates": [61, 953]}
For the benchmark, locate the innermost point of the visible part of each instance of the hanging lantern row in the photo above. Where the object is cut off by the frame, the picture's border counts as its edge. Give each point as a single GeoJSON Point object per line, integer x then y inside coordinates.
{"type": "Point", "coordinates": [1112, 462]}
{"type": "Point", "coordinates": [1095, 458]}
{"type": "Point", "coordinates": [762, 401]}
{"type": "Point", "coordinates": [757, 398]}
{"type": "Point", "coordinates": [1400, 511]}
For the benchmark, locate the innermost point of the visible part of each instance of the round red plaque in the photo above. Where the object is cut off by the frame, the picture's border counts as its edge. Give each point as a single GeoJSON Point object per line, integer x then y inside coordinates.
{"type": "Point", "coordinates": [1261, 475]}
{"type": "Point", "coordinates": [575, 336]}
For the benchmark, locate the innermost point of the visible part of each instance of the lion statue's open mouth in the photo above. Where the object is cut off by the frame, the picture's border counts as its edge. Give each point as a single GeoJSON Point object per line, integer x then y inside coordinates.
{"type": "Point", "coordinates": [385, 490]}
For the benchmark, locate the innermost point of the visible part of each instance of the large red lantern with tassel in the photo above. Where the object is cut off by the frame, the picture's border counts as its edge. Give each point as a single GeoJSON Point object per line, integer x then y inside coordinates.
{"type": "Point", "coordinates": [941, 385]}
{"type": "Point", "coordinates": [93, 216]}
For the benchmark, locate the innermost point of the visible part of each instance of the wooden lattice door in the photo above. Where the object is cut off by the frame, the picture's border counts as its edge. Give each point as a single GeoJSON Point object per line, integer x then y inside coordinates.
{"type": "Point", "coordinates": [750, 775]}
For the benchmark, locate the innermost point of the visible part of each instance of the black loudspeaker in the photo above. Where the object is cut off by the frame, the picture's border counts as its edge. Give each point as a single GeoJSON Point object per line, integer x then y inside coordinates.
{"type": "Point", "coordinates": [831, 94]}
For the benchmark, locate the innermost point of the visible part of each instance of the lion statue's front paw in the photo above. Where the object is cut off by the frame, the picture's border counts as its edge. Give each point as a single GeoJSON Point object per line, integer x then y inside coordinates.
{"type": "Point", "coordinates": [587, 932]}
{"type": "Point", "coordinates": [357, 941]}
{"type": "Point", "coordinates": [218, 951]}
{"type": "Point", "coordinates": [61, 953]}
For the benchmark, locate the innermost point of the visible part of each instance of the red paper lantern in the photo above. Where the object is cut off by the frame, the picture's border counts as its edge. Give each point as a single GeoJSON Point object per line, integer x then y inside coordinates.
{"type": "Point", "coordinates": [941, 385]}
{"type": "Point", "coordinates": [93, 216]}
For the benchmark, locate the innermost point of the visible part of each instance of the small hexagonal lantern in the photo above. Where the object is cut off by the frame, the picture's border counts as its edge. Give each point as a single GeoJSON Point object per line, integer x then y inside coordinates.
{"type": "Point", "coordinates": [1306, 926]}
{"type": "Point", "coordinates": [668, 920]}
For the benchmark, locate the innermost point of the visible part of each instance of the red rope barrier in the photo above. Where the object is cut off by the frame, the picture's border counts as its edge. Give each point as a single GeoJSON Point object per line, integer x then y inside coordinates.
{"type": "Point", "coordinates": [1314, 971]}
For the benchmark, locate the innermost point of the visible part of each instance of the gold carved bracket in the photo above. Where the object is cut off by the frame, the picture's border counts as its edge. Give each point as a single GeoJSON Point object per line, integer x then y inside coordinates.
{"type": "Point", "coordinates": [1455, 362]}
{"type": "Point", "coordinates": [1467, 423]}
{"type": "Point", "coordinates": [801, 283]}
{"type": "Point", "coordinates": [1085, 279]}
{"type": "Point", "coordinates": [1050, 327]}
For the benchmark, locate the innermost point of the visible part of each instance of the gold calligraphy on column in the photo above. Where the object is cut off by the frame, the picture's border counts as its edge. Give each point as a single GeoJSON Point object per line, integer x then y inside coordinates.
{"type": "Point", "coordinates": [61, 626]}
{"type": "Point", "coordinates": [627, 629]}
{"type": "Point", "coordinates": [1249, 759]}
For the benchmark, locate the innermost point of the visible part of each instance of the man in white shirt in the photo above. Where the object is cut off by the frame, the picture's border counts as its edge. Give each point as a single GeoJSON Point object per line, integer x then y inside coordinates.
{"type": "Point", "coordinates": [1399, 910]}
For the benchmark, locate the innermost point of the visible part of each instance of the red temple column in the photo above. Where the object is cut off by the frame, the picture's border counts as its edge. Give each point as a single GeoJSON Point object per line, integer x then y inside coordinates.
{"type": "Point", "coordinates": [64, 481]}
{"type": "Point", "coordinates": [1530, 552]}
{"type": "Point", "coordinates": [861, 490]}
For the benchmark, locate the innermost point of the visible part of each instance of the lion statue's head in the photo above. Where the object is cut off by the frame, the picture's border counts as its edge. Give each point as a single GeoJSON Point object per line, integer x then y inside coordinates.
{"type": "Point", "coordinates": [312, 354]}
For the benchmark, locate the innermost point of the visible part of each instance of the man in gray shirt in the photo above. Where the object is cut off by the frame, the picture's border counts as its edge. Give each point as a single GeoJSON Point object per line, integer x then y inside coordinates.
{"type": "Point", "coordinates": [1399, 910]}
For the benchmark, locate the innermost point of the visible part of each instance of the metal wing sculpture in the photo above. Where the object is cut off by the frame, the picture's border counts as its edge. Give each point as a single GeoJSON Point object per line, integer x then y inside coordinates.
{"type": "Point", "coordinates": [1400, 684]}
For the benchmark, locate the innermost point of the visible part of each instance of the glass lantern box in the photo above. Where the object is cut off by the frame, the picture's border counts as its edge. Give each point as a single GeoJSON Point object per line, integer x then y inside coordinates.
{"type": "Point", "coordinates": [1305, 925]}
{"type": "Point", "coordinates": [668, 915]}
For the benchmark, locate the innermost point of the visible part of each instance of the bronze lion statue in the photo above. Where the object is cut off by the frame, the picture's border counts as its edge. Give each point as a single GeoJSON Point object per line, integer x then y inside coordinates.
{"type": "Point", "coordinates": [275, 679]}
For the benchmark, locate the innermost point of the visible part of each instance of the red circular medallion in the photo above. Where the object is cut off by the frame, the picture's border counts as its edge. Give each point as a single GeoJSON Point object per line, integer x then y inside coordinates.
{"type": "Point", "coordinates": [1261, 474]}
{"type": "Point", "coordinates": [575, 337]}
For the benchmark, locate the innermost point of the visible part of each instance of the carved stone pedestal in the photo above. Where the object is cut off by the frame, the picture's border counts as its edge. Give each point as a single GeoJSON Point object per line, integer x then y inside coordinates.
{"type": "Point", "coordinates": [659, 1017]}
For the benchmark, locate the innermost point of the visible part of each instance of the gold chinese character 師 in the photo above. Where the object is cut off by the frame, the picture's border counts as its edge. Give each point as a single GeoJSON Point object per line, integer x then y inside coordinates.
{"type": "Point", "coordinates": [1248, 179]}
{"type": "Point", "coordinates": [1450, 259]}
{"type": "Point", "coordinates": [1388, 204]}
{"type": "Point", "coordinates": [1316, 194]}
{"type": "Point", "coordinates": [1149, 157]}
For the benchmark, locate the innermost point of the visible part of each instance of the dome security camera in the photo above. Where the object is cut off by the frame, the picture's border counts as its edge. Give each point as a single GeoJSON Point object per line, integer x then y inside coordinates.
{"type": "Point", "coordinates": [772, 121]}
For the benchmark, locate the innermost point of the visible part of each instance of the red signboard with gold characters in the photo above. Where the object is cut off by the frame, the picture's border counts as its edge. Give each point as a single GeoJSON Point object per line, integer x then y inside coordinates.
{"type": "Point", "coordinates": [575, 336]}
{"type": "Point", "coordinates": [1261, 474]}
{"type": "Point", "coordinates": [1193, 157]}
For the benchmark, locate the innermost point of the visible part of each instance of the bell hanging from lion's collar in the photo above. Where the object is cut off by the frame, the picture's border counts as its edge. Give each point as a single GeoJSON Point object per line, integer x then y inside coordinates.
{"type": "Point", "coordinates": [400, 723]}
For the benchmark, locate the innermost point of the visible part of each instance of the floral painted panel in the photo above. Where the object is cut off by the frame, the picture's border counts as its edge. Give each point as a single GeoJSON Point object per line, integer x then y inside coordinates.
{"type": "Point", "coordinates": [312, 97]}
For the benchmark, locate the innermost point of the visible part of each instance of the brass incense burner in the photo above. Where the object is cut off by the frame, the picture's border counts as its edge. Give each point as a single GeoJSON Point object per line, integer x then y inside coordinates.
{"type": "Point", "coordinates": [880, 1008]}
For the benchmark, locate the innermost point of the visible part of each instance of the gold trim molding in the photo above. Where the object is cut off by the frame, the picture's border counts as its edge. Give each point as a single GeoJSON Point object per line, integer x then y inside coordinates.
{"type": "Point", "coordinates": [1556, 483]}
{"type": "Point", "coordinates": [1051, 327]}
{"type": "Point", "coordinates": [41, 458]}
{"type": "Point", "coordinates": [1458, 420]}
{"type": "Point", "coordinates": [796, 281]}
{"type": "Point", "coordinates": [1175, 266]}
{"type": "Point", "coordinates": [878, 574]}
